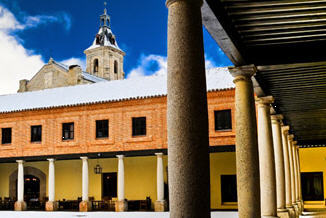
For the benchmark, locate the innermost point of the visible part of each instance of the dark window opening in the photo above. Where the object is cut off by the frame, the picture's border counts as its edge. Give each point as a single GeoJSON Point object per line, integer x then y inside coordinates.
{"type": "Point", "coordinates": [138, 126]}
{"type": "Point", "coordinates": [312, 186]}
{"type": "Point", "coordinates": [6, 136]}
{"type": "Point", "coordinates": [102, 128]}
{"type": "Point", "coordinates": [223, 120]}
{"type": "Point", "coordinates": [95, 70]}
{"type": "Point", "coordinates": [109, 186]}
{"type": "Point", "coordinates": [229, 188]}
{"type": "Point", "coordinates": [67, 131]}
{"type": "Point", "coordinates": [115, 66]}
{"type": "Point", "coordinates": [36, 133]}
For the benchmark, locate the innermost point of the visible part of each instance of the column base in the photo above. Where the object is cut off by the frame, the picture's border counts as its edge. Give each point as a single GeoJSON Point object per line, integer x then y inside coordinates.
{"type": "Point", "coordinates": [296, 209]}
{"type": "Point", "coordinates": [121, 206]}
{"type": "Point", "coordinates": [283, 213]}
{"type": "Point", "coordinates": [300, 207]}
{"type": "Point", "coordinates": [291, 211]}
{"type": "Point", "coordinates": [20, 206]}
{"type": "Point", "coordinates": [51, 206]}
{"type": "Point", "coordinates": [160, 206]}
{"type": "Point", "coordinates": [85, 206]}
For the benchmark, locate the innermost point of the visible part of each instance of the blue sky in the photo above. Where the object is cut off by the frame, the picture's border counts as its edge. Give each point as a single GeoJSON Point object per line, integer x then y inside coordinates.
{"type": "Point", "coordinates": [63, 29]}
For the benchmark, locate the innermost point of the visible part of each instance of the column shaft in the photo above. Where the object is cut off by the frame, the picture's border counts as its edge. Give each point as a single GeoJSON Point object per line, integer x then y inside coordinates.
{"type": "Point", "coordinates": [121, 179]}
{"type": "Point", "coordinates": [187, 116]}
{"type": "Point", "coordinates": [20, 182]}
{"type": "Point", "coordinates": [266, 159]}
{"type": "Point", "coordinates": [291, 170]}
{"type": "Point", "coordinates": [160, 178]}
{"type": "Point", "coordinates": [51, 180]}
{"type": "Point", "coordinates": [295, 168]}
{"type": "Point", "coordinates": [85, 179]}
{"type": "Point", "coordinates": [247, 162]}
{"type": "Point", "coordinates": [279, 161]}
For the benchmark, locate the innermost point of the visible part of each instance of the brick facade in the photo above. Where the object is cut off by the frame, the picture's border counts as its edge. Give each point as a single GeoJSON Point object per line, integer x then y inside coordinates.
{"type": "Point", "coordinates": [119, 115]}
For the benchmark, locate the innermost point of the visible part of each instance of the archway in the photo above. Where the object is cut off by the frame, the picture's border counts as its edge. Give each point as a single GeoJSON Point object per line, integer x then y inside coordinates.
{"type": "Point", "coordinates": [29, 173]}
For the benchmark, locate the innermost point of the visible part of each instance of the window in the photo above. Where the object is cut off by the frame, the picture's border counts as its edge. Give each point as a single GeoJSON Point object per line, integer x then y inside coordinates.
{"type": "Point", "coordinates": [138, 126]}
{"type": "Point", "coordinates": [102, 128]}
{"type": "Point", "coordinates": [312, 186]}
{"type": "Point", "coordinates": [223, 120]}
{"type": "Point", "coordinates": [229, 188]}
{"type": "Point", "coordinates": [67, 131]}
{"type": "Point", "coordinates": [95, 70]}
{"type": "Point", "coordinates": [115, 66]}
{"type": "Point", "coordinates": [36, 133]}
{"type": "Point", "coordinates": [6, 136]}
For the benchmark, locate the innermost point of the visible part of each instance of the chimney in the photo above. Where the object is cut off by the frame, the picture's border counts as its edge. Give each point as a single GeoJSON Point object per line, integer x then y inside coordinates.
{"type": "Point", "coordinates": [23, 85]}
{"type": "Point", "coordinates": [75, 74]}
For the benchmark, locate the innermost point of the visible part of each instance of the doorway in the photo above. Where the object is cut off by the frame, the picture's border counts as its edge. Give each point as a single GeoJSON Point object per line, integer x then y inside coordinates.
{"type": "Point", "coordinates": [109, 186]}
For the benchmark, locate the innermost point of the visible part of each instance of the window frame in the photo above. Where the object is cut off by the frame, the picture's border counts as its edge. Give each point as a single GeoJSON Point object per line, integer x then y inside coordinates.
{"type": "Point", "coordinates": [40, 135]}
{"type": "Point", "coordinates": [71, 133]}
{"type": "Point", "coordinates": [223, 189]}
{"type": "Point", "coordinates": [137, 126]}
{"type": "Point", "coordinates": [2, 134]}
{"type": "Point", "coordinates": [227, 122]}
{"type": "Point", "coordinates": [98, 128]}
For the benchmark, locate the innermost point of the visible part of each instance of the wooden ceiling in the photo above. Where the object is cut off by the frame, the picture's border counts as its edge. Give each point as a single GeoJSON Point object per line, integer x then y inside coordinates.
{"type": "Point", "coordinates": [286, 40]}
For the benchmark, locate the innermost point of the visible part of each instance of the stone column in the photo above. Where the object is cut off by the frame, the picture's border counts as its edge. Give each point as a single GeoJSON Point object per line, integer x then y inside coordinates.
{"type": "Point", "coordinates": [247, 162]}
{"type": "Point", "coordinates": [292, 172]}
{"type": "Point", "coordinates": [85, 205]}
{"type": "Point", "coordinates": [121, 204]}
{"type": "Point", "coordinates": [20, 204]}
{"type": "Point", "coordinates": [160, 203]}
{"type": "Point", "coordinates": [287, 170]}
{"type": "Point", "coordinates": [51, 204]}
{"type": "Point", "coordinates": [266, 158]}
{"type": "Point", "coordinates": [279, 166]}
{"type": "Point", "coordinates": [187, 116]}
{"type": "Point", "coordinates": [299, 179]}
{"type": "Point", "coordinates": [297, 175]}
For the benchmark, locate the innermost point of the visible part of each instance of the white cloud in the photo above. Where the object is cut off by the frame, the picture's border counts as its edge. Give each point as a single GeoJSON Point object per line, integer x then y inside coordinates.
{"type": "Point", "coordinates": [143, 68]}
{"type": "Point", "coordinates": [17, 62]}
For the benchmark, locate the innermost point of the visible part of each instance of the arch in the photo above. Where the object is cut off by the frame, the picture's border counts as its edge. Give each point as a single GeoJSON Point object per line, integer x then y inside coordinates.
{"type": "Point", "coordinates": [95, 66]}
{"type": "Point", "coordinates": [115, 67]}
{"type": "Point", "coordinates": [27, 171]}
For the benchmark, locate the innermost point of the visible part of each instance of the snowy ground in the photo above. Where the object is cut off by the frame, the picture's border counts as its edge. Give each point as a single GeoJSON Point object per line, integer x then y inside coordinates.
{"type": "Point", "coordinates": [31, 214]}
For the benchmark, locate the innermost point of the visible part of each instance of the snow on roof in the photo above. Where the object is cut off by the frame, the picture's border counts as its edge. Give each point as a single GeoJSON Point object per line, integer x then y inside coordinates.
{"type": "Point", "coordinates": [117, 90]}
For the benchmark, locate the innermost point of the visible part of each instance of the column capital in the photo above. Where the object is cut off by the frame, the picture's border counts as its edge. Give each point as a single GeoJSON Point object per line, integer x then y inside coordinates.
{"type": "Point", "coordinates": [295, 142]}
{"type": "Point", "coordinates": [120, 156]}
{"type": "Point", "coordinates": [169, 2]}
{"type": "Point", "coordinates": [267, 100]}
{"type": "Point", "coordinates": [51, 159]}
{"type": "Point", "coordinates": [159, 154]}
{"type": "Point", "coordinates": [291, 137]}
{"type": "Point", "coordinates": [243, 72]}
{"type": "Point", "coordinates": [285, 129]}
{"type": "Point", "coordinates": [277, 117]}
{"type": "Point", "coordinates": [84, 158]}
{"type": "Point", "coordinates": [20, 161]}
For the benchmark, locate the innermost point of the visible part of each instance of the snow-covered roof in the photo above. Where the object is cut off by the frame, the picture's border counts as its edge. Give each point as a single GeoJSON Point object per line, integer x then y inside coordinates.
{"type": "Point", "coordinates": [117, 90]}
{"type": "Point", "coordinates": [106, 39]}
{"type": "Point", "coordinates": [85, 75]}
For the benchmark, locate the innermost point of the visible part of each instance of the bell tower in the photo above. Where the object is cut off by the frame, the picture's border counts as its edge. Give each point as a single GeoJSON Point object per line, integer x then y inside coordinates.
{"type": "Point", "coordinates": [104, 58]}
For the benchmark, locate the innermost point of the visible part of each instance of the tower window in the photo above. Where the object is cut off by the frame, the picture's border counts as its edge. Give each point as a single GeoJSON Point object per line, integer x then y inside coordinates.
{"type": "Point", "coordinates": [115, 66]}
{"type": "Point", "coordinates": [95, 70]}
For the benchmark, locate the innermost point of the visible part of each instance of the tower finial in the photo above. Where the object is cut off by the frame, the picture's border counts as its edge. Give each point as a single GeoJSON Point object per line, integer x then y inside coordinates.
{"type": "Point", "coordinates": [105, 10]}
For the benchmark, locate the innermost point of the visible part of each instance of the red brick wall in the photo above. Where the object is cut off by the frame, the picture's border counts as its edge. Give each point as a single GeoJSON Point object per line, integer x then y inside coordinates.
{"type": "Point", "coordinates": [119, 115]}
